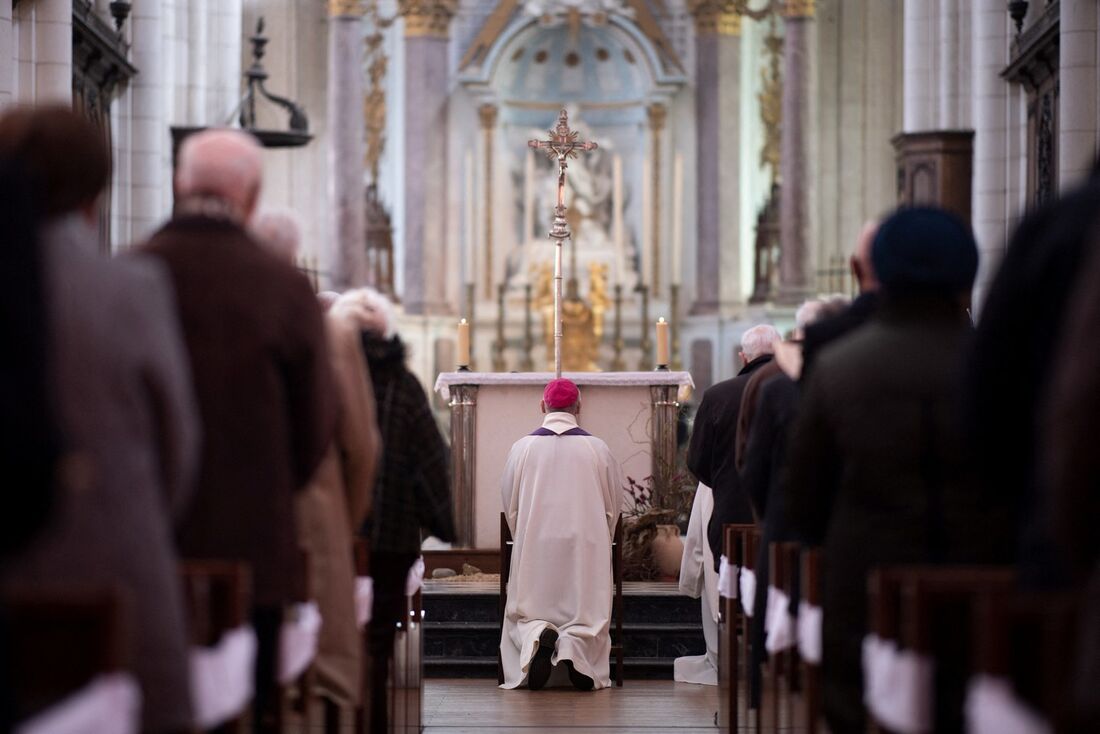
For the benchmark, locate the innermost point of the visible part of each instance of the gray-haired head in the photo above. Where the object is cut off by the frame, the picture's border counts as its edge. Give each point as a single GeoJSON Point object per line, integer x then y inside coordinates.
{"type": "Point", "coordinates": [758, 341]}
{"type": "Point", "coordinates": [278, 230]}
{"type": "Point", "coordinates": [377, 312]}
{"type": "Point", "coordinates": [220, 168]}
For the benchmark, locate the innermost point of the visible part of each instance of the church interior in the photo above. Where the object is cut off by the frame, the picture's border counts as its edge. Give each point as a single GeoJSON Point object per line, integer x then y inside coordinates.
{"type": "Point", "coordinates": [292, 285]}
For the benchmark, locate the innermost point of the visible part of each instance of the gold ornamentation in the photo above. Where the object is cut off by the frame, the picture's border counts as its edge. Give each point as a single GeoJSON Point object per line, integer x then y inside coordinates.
{"type": "Point", "coordinates": [770, 98]}
{"type": "Point", "coordinates": [580, 328]}
{"type": "Point", "coordinates": [715, 18]}
{"type": "Point", "coordinates": [374, 102]}
{"type": "Point", "coordinates": [352, 8]}
{"type": "Point", "coordinates": [799, 9]}
{"type": "Point", "coordinates": [598, 296]}
{"type": "Point", "coordinates": [430, 18]}
{"type": "Point", "coordinates": [658, 114]}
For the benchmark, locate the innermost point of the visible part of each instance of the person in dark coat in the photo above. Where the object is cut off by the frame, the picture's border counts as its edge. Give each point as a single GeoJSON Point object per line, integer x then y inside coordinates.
{"type": "Point", "coordinates": [266, 392]}
{"type": "Point", "coordinates": [879, 471]}
{"type": "Point", "coordinates": [125, 408]}
{"type": "Point", "coordinates": [710, 454]}
{"type": "Point", "coordinates": [1069, 425]}
{"type": "Point", "coordinates": [1010, 367]}
{"type": "Point", "coordinates": [827, 330]}
{"type": "Point", "coordinates": [412, 491]}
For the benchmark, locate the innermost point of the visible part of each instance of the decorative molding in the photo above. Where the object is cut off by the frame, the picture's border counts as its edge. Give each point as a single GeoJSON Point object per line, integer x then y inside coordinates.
{"type": "Point", "coordinates": [346, 8]}
{"type": "Point", "coordinates": [714, 18]}
{"type": "Point", "coordinates": [427, 18]}
{"type": "Point", "coordinates": [799, 9]}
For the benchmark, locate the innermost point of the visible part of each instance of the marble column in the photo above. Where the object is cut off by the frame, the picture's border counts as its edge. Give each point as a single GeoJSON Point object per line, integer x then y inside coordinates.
{"type": "Point", "coordinates": [1078, 95]}
{"type": "Point", "coordinates": [657, 114]}
{"type": "Point", "coordinates": [347, 149]}
{"type": "Point", "coordinates": [427, 29]}
{"type": "Point", "coordinates": [989, 211]}
{"type": "Point", "coordinates": [919, 108]}
{"type": "Point", "coordinates": [795, 273]}
{"type": "Point", "coordinates": [715, 31]}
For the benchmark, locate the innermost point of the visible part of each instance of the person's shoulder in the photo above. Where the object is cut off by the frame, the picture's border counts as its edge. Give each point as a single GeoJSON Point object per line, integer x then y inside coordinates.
{"type": "Point", "coordinates": [720, 390]}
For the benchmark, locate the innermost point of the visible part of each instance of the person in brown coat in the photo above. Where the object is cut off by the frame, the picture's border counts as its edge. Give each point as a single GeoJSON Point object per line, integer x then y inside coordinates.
{"type": "Point", "coordinates": [339, 497]}
{"type": "Point", "coordinates": [259, 360]}
{"type": "Point", "coordinates": [125, 409]}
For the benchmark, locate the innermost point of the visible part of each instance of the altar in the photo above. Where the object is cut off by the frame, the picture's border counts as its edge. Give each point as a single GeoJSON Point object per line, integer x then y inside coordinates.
{"type": "Point", "coordinates": [634, 412]}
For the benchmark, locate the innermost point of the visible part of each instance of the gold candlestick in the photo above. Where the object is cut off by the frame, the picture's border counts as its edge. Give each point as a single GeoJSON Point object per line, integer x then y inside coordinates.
{"type": "Point", "coordinates": [617, 364]}
{"type": "Point", "coordinates": [528, 363]}
{"type": "Point", "coordinates": [674, 323]}
{"type": "Point", "coordinates": [498, 343]}
{"type": "Point", "coordinates": [647, 344]}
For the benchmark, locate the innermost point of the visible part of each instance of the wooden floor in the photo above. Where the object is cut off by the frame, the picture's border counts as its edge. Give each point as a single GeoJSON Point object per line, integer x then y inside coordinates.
{"type": "Point", "coordinates": [478, 706]}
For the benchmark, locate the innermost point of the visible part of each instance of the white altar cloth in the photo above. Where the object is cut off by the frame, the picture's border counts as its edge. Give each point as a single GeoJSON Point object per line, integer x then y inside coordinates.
{"type": "Point", "coordinates": [445, 380]}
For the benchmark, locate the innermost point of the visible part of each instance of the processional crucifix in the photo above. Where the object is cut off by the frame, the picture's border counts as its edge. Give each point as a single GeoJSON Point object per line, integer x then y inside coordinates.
{"type": "Point", "coordinates": [562, 145]}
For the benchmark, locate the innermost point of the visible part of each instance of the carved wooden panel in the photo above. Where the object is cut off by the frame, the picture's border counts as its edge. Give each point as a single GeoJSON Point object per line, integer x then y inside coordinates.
{"type": "Point", "coordinates": [935, 168]}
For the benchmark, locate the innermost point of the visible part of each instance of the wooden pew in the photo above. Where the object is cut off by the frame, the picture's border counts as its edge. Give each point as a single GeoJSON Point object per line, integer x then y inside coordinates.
{"type": "Point", "coordinates": [812, 709]}
{"type": "Point", "coordinates": [218, 599]}
{"type": "Point", "coordinates": [406, 684]}
{"type": "Point", "coordinates": [750, 551]}
{"type": "Point", "coordinates": [617, 639]}
{"type": "Point", "coordinates": [730, 619]}
{"type": "Point", "coordinates": [361, 551]}
{"type": "Point", "coordinates": [297, 696]}
{"type": "Point", "coordinates": [59, 641]}
{"type": "Point", "coordinates": [783, 680]}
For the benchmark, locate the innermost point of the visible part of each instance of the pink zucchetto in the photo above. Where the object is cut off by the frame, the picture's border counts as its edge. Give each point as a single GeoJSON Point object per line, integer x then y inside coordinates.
{"type": "Point", "coordinates": [560, 393]}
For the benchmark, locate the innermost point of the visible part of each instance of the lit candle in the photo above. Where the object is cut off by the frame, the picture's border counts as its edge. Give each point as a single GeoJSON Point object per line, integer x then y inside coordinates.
{"type": "Point", "coordinates": [617, 221]}
{"type": "Point", "coordinates": [647, 223]}
{"type": "Point", "coordinates": [469, 253]}
{"type": "Point", "coordinates": [662, 342]}
{"type": "Point", "coordinates": [463, 343]}
{"type": "Point", "coordinates": [677, 217]}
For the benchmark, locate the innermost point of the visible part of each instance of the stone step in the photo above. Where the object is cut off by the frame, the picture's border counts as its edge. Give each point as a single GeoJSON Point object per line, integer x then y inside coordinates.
{"type": "Point", "coordinates": [486, 667]}
{"type": "Point", "coordinates": [445, 607]}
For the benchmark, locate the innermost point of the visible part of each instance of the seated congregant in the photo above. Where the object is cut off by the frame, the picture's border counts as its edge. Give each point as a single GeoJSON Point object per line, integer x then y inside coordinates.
{"type": "Point", "coordinates": [561, 491]}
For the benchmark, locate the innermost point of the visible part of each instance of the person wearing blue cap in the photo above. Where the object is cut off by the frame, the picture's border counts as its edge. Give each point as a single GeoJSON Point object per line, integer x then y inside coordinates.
{"type": "Point", "coordinates": [879, 470]}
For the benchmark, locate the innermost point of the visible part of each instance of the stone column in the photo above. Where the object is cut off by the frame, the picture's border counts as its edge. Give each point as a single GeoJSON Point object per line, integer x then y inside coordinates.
{"type": "Point", "coordinates": [1077, 100]}
{"type": "Point", "coordinates": [795, 274]}
{"type": "Point", "coordinates": [487, 114]}
{"type": "Point", "coordinates": [7, 55]}
{"type": "Point", "coordinates": [919, 111]}
{"type": "Point", "coordinates": [347, 150]}
{"type": "Point", "coordinates": [51, 22]}
{"type": "Point", "coordinates": [150, 147]}
{"type": "Point", "coordinates": [657, 114]}
{"type": "Point", "coordinates": [989, 211]}
{"type": "Point", "coordinates": [715, 29]}
{"type": "Point", "coordinates": [427, 24]}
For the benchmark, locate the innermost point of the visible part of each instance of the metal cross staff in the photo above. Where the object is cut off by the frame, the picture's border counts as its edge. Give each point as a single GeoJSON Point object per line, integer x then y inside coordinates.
{"type": "Point", "coordinates": [562, 145]}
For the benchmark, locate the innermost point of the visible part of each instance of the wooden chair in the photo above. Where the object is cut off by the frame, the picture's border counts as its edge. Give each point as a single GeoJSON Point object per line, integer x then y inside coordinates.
{"type": "Point", "coordinates": [812, 708]}
{"type": "Point", "coordinates": [218, 599]}
{"type": "Point", "coordinates": [506, 543]}
{"type": "Point", "coordinates": [730, 618]}
{"type": "Point", "coordinates": [59, 641]}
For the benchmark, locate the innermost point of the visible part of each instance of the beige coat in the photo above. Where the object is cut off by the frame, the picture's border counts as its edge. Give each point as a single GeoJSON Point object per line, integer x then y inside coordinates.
{"type": "Point", "coordinates": [331, 510]}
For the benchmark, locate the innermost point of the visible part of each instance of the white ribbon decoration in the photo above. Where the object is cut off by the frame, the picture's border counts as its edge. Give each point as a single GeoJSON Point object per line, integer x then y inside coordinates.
{"type": "Point", "coordinates": [364, 600]}
{"type": "Point", "coordinates": [298, 641]}
{"type": "Point", "coordinates": [415, 579]}
{"type": "Point", "coordinates": [897, 686]}
{"type": "Point", "coordinates": [778, 622]}
{"type": "Point", "coordinates": [222, 680]}
{"type": "Point", "coordinates": [109, 704]}
{"type": "Point", "coordinates": [992, 707]}
{"type": "Point", "coordinates": [727, 579]}
{"type": "Point", "coordinates": [809, 632]}
{"type": "Point", "coordinates": [748, 590]}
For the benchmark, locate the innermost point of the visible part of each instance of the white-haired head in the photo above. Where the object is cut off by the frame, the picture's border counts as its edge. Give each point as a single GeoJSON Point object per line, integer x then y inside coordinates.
{"type": "Point", "coordinates": [278, 231]}
{"type": "Point", "coordinates": [222, 166]}
{"type": "Point", "coordinates": [372, 311]}
{"type": "Point", "coordinates": [758, 341]}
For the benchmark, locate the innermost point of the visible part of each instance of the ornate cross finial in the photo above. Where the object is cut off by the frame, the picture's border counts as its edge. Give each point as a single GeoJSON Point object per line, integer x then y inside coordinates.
{"type": "Point", "coordinates": [562, 145]}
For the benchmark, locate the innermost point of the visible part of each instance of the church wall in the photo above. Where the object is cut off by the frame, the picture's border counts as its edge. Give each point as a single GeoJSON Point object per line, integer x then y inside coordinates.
{"type": "Point", "coordinates": [1079, 97]}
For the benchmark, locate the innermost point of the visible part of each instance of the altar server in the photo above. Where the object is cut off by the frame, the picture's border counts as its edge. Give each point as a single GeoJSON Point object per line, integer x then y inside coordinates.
{"type": "Point", "coordinates": [561, 491]}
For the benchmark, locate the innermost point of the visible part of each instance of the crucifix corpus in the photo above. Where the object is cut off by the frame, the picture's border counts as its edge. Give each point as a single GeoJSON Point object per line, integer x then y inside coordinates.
{"type": "Point", "coordinates": [562, 146]}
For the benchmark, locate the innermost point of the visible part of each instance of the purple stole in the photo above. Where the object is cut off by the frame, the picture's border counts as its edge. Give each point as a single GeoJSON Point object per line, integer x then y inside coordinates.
{"type": "Point", "coordinates": [544, 431]}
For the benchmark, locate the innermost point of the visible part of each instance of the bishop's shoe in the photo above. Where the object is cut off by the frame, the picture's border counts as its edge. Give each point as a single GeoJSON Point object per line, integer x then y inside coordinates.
{"type": "Point", "coordinates": [579, 680]}
{"type": "Point", "coordinates": [539, 671]}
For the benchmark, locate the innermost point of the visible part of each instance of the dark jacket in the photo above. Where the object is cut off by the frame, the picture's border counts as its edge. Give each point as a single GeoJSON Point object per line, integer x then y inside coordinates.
{"type": "Point", "coordinates": [266, 396]}
{"type": "Point", "coordinates": [1011, 366]}
{"type": "Point", "coordinates": [879, 474]}
{"type": "Point", "coordinates": [819, 334]}
{"type": "Point", "coordinates": [413, 489]}
{"type": "Point", "coordinates": [711, 451]}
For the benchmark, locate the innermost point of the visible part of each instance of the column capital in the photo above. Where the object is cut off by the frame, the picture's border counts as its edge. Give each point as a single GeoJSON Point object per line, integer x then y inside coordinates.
{"type": "Point", "coordinates": [714, 18]}
{"type": "Point", "coordinates": [431, 18]}
{"type": "Point", "coordinates": [351, 8]}
{"type": "Point", "coordinates": [487, 113]}
{"type": "Point", "coordinates": [657, 114]}
{"type": "Point", "coordinates": [799, 8]}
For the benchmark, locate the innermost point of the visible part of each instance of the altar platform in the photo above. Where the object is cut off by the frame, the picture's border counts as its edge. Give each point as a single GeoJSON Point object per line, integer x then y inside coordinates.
{"type": "Point", "coordinates": [462, 632]}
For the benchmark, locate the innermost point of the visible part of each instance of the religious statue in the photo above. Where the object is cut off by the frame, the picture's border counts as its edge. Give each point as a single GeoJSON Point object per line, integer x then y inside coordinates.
{"type": "Point", "coordinates": [598, 295]}
{"type": "Point", "coordinates": [580, 338]}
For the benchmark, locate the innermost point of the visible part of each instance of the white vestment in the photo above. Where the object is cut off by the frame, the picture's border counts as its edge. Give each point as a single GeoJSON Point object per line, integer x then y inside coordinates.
{"type": "Point", "coordinates": [699, 579]}
{"type": "Point", "coordinates": [561, 496]}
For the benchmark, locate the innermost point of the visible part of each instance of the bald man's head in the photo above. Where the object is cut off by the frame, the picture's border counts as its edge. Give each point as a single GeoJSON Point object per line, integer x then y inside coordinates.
{"type": "Point", "coordinates": [862, 270]}
{"type": "Point", "coordinates": [223, 165]}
